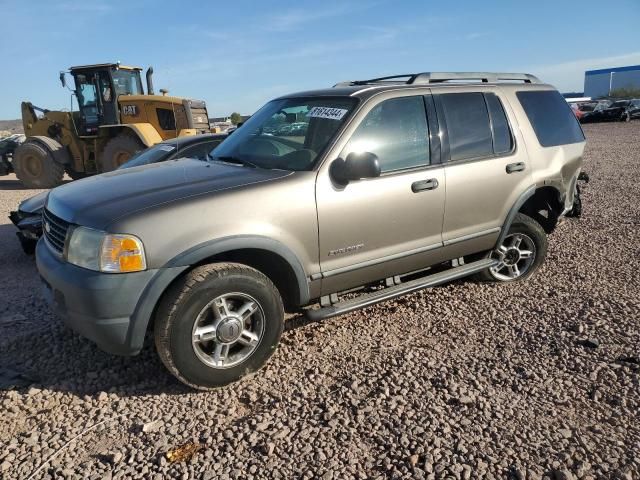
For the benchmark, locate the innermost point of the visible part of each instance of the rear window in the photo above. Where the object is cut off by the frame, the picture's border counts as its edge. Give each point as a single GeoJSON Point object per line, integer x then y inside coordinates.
{"type": "Point", "coordinates": [551, 118]}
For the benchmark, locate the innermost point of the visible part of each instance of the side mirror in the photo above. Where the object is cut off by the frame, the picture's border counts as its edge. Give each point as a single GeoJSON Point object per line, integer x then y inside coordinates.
{"type": "Point", "coordinates": [356, 166]}
{"type": "Point", "coordinates": [63, 80]}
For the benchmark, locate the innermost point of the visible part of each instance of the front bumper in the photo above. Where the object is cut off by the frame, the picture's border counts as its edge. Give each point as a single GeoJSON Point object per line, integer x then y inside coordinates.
{"type": "Point", "coordinates": [29, 227]}
{"type": "Point", "coordinates": [102, 307]}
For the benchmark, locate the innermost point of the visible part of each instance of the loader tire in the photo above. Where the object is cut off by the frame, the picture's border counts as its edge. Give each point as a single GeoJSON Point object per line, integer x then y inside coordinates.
{"type": "Point", "coordinates": [35, 165]}
{"type": "Point", "coordinates": [119, 150]}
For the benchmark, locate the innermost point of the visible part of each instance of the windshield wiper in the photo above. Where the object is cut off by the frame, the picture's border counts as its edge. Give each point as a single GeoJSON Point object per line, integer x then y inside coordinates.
{"type": "Point", "coordinates": [236, 160]}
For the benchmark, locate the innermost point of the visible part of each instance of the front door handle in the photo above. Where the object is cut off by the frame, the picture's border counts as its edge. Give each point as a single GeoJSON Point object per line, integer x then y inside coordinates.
{"type": "Point", "coordinates": [421, 185]}
{"type": "Point", "coordinates": [515, 167]}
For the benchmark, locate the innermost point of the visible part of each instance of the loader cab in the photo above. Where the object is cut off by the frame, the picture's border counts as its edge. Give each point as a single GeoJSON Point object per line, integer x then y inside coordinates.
{"type": "Point", "coordinates": [97, 90]}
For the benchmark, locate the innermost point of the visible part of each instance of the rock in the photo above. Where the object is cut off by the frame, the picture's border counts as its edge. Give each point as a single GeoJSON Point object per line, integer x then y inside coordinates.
{"type": "Point", "coordinates": [413, 460]}
{"type": "Point", "coordinates": [153, 426]}
{"type": "Point", "coordinates": [590, 343]}
{"type": "Point", "coordinates": [33, 391]}
{"type": "Point", "coordinates": [565, 432]}
{"type": "Point", "coordinates": [281, 434]}
{"type": "Point", "coordinates": [563, 475]}
{"type": "Point", "coordinates": [114, 458]}
{"type": "Point", "coordinates": [260, 427]}
{"type": "Point", "coordinates": [103, 397]}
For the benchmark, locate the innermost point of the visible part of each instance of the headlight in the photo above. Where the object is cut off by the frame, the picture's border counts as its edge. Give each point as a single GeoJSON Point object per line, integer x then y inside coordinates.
{"type": "Point", "coordinates": [105, 252]}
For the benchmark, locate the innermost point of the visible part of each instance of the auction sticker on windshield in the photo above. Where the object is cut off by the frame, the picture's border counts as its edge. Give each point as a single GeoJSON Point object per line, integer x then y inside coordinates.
{"type": "Point", "coordinates": [327, 112]}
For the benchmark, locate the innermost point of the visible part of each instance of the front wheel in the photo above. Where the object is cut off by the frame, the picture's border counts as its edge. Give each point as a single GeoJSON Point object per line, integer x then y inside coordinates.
{"type": "Point", "coordinates": [119, 150]}
{"type": "Point", "coordinates": [217, 324]}
{"type": "Point", "coordinates": [520, 254]}
{"type": "Point", "coordinates": [35, 165]}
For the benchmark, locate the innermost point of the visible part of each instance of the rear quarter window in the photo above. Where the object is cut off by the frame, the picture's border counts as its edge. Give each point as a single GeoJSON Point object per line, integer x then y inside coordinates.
{"type": "Point", "coordinates": [551, 117]}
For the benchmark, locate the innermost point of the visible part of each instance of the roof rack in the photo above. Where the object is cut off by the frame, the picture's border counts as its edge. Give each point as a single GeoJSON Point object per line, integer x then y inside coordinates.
{"type": "Point", "coordinates": [442, 77]}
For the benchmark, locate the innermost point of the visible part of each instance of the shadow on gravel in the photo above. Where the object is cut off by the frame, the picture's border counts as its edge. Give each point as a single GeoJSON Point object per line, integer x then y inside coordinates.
{"type": "Point", "coordinates": [37, 350]}
{"type": "Point", "coordinates": [50, 356]}
{"type": "Point", "coordinates": [55, 358]}
{"type": "Point", "coordinates": [17, 185]}
{"type": "Point", "coordinates": [8, 231]}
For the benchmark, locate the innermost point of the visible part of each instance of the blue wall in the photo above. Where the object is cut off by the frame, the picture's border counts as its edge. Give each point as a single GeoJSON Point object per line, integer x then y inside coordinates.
{"type": "Point", "coordinates": [596, 82]}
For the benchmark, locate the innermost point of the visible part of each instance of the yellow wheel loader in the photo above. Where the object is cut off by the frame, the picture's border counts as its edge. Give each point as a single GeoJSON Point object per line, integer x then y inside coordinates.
{"type": "Point", "coordinates": [114, 120]}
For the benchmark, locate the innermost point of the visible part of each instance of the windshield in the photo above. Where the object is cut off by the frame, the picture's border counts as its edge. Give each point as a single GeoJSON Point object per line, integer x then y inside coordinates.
{"type": "Point", "coordinates": [154, 154]}
{"type": "Point", "coordinates": [127, 82]}
{"type": "Point", "coordinates": [287, 134]}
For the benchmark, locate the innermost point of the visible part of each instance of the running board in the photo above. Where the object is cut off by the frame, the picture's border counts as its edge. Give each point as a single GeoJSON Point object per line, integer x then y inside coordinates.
{"type": "Point", "coordinates": [388, 293]}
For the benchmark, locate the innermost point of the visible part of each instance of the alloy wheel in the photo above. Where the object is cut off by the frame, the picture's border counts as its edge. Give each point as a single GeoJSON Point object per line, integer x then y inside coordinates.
{"type": "Point", "coordinates": [516, 255]}
{"type": "Point", "coordinates": [228, 330]}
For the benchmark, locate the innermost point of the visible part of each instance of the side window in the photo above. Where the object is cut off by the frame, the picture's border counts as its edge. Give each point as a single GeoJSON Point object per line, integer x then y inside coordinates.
{"type": "Point", "coordinates": [166, 119]}
{"type": "Point", "coordinates": [200, 151]}
{"type": "Point", "coordinates": [502, 138]}
{"type": "Point", "coordinates": [468, 125]}
{"type": "Point", "coordinates": [551, 118]}
{"type": "Point", "coordinates": [396, 131]}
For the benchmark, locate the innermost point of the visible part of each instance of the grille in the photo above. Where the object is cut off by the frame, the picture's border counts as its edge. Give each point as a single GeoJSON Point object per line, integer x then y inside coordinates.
{"type": "Point", "coordinates": [199, 116]}
{"type": "Point", "coordinates": [55, 230]}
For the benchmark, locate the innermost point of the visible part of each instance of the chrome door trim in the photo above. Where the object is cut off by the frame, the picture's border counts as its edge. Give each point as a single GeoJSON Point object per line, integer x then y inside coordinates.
{"type": "Point", "coordinates": [376, 261]}
{"type": "Point", "coordinates": [471, 236]}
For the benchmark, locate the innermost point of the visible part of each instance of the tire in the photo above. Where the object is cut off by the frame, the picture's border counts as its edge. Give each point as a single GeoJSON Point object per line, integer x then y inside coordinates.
{"type": "Point", "coordinates": [576, 209]}
{"type": "Point", "coordinates": [119, 150]}
{"type": "Point", "coordinates": [35, 165]}
{"type": "Point", "coordinates": [75, 175]}
{"type": "Point", "coordinates": [189, 305]}
{"type": "Point", "coordinates": [532, 238]}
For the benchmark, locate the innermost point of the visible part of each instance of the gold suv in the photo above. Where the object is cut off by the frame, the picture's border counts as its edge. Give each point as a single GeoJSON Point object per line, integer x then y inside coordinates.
{"type": "Point", "coordinates": [398, 183]}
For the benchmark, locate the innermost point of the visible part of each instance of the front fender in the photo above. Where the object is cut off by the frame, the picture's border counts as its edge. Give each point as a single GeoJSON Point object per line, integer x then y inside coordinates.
{"type": "Point", "coordinates": [146, 132]}
{"type": "Point", "coordinates": [200, 253]}
{"type": "Point", "coordinates": [196, 255]}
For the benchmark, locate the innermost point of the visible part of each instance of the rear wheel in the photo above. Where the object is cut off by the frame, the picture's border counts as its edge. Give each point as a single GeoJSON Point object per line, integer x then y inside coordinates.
{"type": "Point", "coordinates": [520, 254]}
{"type": "Point", "coordinates": [35, 166]}
{"type": "Point", "coordinates": [119, 150]}
{"type": "Point", "coordinates": [217, 324]}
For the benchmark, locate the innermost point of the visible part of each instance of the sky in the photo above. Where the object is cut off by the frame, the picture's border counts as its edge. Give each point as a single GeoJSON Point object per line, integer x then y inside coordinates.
{"type": "Point", "coordinates": [238, 54]}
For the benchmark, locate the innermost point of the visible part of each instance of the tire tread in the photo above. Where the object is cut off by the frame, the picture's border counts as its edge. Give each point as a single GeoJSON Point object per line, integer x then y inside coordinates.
{"type": "Point", "coordinates": [171, 301]}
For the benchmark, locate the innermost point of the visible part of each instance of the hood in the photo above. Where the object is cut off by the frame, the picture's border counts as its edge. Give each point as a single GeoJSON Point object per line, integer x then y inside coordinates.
{"type": "Point", "coordinates": [97, 201]}
{"type": "Point", "coordinates": [34, 204]}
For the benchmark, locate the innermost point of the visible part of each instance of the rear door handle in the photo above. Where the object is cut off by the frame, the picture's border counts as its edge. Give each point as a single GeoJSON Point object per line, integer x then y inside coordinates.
{"type": "Point", "coordinates": [421, 185]}
{"type": "Point", "coordinates": [515, 167]}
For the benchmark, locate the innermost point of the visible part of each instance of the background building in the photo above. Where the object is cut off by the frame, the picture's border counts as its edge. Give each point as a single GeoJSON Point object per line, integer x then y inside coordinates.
{"type": "Point", "coordinates": [599, 83]}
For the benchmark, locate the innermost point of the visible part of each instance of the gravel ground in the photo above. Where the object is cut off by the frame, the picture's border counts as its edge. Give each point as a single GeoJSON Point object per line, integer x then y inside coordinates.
{"type": "Point", "coordinates": [534, 380]}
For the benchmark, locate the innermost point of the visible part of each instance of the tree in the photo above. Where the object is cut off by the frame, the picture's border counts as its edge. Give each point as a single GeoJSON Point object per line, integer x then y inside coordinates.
{"type": "Point", "coordinates": [628, 92]}
{"type": "Point", "coordinates": [235, 118]}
